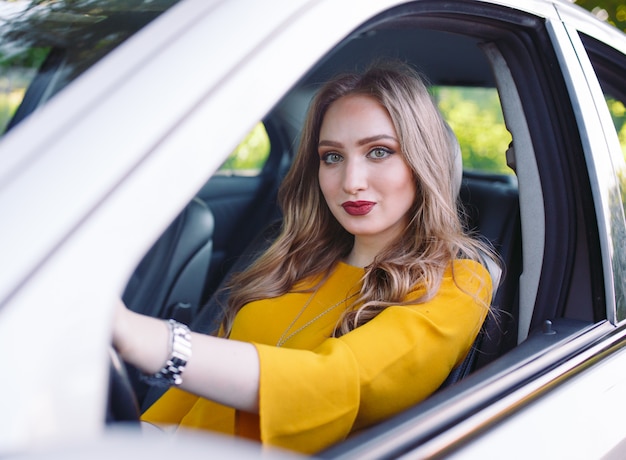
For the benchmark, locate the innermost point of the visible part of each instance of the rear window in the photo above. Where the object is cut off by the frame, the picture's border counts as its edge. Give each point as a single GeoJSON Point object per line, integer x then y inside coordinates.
{"type": "Point", "coordinates": [250, 155]}
{"type": "Point", "coordinates": [475, 116]}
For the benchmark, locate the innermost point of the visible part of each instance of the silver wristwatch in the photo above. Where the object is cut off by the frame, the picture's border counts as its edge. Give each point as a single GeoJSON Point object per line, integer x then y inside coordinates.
{"type": "Point", "coordinates": [171, 373]}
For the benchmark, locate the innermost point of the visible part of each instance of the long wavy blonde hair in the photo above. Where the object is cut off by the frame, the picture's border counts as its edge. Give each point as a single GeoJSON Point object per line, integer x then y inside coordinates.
{"type": "Point", "coordinates": [312, 242]}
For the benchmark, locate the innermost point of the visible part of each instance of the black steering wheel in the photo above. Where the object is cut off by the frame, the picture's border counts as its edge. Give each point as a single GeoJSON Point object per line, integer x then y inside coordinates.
{"type": "Point", "coordinates": [122, 403]}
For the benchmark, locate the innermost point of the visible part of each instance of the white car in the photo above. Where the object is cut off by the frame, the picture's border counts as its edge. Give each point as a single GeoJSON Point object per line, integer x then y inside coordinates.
{"type": "Point", "coordinates": [120, 174]}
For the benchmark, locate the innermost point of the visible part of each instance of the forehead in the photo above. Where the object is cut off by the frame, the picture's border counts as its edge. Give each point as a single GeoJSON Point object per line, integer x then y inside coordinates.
{"type": "Point", "coordinates": [356, 115]}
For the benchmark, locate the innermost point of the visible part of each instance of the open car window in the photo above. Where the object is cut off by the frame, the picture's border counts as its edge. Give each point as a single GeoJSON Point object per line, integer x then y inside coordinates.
{"type": "Point", "coordinates": [475, 116]}
{"type": "Point", "coordinates": [250, 156]}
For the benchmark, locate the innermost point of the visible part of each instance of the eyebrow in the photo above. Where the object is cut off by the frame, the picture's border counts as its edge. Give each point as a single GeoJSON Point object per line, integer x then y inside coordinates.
{"type": "Point", "coordinates": [364, 141]}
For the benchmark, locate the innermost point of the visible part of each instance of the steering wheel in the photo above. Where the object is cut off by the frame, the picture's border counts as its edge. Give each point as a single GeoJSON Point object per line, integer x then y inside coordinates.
{"type": "Point", "coordinates": [122, 405]}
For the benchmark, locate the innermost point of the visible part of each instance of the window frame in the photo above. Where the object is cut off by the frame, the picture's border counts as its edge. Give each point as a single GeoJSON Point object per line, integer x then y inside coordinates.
{"type": "Point", "coordinates": [604, 69]}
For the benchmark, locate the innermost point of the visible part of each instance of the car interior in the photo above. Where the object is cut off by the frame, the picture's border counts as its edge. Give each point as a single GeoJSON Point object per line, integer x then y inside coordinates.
{"type": "Point", "coordinates": [244, 207]}
{"type": "Point", "coordinates": [235, 216]}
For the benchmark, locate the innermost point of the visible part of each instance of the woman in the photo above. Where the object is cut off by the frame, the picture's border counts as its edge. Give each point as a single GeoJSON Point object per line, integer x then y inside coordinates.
{"type": "Point", "coordinates": [369, 297]}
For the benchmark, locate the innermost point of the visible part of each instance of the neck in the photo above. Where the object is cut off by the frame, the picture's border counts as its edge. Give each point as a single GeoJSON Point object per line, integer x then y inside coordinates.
{"type": "Point", "coordinates": [363, 252]}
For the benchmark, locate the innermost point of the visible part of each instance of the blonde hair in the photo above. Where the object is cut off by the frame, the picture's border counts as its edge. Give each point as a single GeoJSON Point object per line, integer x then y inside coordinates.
{"type": "Point", "coordinates": [312, 242]}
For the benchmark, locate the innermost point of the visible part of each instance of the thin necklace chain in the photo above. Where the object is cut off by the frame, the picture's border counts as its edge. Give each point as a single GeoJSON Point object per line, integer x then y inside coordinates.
{"type": "Point", "coordinates": [284, 338]}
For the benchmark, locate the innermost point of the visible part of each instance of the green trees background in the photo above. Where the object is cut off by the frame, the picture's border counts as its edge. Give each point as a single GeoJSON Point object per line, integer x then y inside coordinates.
{"type": "Point", "coordinates": [612, 11]}
{"type": "Point", "coordinates": [475, 116]}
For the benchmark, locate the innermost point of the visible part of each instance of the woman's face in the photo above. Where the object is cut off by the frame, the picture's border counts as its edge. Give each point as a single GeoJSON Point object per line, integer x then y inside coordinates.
{"type": "Point", "coordinates": [363, 175]}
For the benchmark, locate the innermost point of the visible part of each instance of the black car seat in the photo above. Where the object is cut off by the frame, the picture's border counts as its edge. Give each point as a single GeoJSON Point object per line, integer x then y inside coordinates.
{"type": "Point", "coordinates": [208, 320]}
{"type": "Point", "coordinates": [169, 280]}
{"type": "Point", "coordinates": [491, 205]}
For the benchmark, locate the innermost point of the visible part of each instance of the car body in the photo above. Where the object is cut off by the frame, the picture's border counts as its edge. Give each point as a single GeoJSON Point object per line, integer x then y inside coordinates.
{"type": "Point", "coordinates": [97, 168]}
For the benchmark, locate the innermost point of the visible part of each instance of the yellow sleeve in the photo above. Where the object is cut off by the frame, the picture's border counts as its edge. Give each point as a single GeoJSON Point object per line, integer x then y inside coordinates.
{"type": "Point", "coordinates": [311, 399]}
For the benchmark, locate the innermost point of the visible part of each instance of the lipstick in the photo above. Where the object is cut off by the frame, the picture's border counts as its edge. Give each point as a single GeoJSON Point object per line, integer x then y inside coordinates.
{"type": "Point", "coordinates": [358, 208]}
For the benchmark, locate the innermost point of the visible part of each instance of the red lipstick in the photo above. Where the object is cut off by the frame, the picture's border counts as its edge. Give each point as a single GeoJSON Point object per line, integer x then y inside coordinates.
{"type": "Point", "coordinates": [358, 208]}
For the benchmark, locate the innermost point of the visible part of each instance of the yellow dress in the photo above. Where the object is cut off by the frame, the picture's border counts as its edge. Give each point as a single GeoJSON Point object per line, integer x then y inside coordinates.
{"type": "Point", "coordinates": [315, 390]}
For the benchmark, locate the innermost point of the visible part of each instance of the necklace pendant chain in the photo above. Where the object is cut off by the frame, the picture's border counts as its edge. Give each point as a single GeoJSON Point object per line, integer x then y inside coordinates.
{"type": "Point", "coordinates": [286, 336]}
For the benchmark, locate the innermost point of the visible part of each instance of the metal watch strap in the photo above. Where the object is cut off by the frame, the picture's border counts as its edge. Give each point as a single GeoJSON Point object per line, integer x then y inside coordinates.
{"type": "Point", "coordinates": [180, 343]}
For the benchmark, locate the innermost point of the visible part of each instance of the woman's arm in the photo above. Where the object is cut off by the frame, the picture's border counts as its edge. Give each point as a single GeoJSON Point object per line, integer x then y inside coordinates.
{"type": "Point", "coordinates": [224, 371]}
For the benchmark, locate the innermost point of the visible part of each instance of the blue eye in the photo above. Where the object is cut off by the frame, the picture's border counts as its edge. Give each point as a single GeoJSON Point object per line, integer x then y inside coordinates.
{"type": "Point", "coordinates": [331, 158]}
{"type": "Point", "coordinates": [379, 153]}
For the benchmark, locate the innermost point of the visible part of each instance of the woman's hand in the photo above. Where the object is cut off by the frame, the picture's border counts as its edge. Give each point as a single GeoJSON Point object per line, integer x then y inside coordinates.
{"type": "Point", "coordinates": [140, 340]}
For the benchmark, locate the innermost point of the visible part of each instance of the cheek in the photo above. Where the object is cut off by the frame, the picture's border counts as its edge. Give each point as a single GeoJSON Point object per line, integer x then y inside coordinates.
{"type": "Point", "coordinates": [325, 181]}
{"type": "Point", "coordinates": [404, 186]}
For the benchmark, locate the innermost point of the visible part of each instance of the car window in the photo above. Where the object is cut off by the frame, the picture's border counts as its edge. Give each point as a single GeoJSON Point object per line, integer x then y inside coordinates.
{"type": "Point", "coordinates": [475, 116]}
{"type": "Point", "coordinates": [250, 155]}
{"type": "Point", "coordinates": [44, 45]}
{"type": "Point", "coordinates": [609, 67]}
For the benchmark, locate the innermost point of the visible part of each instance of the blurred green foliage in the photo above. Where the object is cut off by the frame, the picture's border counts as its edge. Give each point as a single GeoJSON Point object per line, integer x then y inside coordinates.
{"type": "Point", "coordinates": [250, 155]}
{"type": "Point", "coordinates": [16, 73]}
{"type": "Point", "coordinates": [475, 116]}
{"type": "Point", "coordinates": [612, 11]}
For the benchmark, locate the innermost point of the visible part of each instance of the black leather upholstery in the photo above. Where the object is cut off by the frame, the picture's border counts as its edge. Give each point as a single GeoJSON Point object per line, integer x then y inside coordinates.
{"type": "Point", "coordinates": [169, 280]}
{"type": "Point", "coordinates": [208, 319]}
{"type": "Point", "coordinates": [492, 209]}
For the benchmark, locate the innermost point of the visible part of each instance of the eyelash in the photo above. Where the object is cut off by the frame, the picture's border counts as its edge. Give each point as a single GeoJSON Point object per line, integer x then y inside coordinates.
{"type": "Point", "coordinates": [326, 156]}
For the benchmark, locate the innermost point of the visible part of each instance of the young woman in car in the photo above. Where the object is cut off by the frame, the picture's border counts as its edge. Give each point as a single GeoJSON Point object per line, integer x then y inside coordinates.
{"type": "Point", "coordinates": [367, 300]}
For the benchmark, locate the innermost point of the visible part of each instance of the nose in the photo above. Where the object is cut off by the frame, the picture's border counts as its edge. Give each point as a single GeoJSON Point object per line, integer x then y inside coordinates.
{"type": "Point", "coordinates": [354, 176]}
